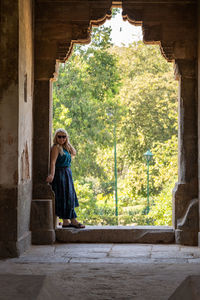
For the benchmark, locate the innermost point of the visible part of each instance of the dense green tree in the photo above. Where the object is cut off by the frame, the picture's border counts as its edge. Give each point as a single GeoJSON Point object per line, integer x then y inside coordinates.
{"type": "Point", "coordinates": [149, 93]}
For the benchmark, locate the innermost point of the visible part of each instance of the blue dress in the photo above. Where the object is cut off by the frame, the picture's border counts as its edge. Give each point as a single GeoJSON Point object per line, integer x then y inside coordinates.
{"type": "Point", "coordinates": [63, 187]}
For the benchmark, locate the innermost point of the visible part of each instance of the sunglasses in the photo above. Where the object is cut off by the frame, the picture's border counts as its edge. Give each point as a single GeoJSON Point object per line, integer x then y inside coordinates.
{"type": "Point", "coordinates": [61, 136]}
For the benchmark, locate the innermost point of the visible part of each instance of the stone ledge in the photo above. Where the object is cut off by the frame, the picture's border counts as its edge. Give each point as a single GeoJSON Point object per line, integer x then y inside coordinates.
{"type": "Point", "coordinates": [117, 234]}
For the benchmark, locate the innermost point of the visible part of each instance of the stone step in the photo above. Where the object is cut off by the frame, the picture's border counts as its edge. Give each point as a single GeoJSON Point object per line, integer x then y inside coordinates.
{"type": "Point", "coordinates": [117, 234]}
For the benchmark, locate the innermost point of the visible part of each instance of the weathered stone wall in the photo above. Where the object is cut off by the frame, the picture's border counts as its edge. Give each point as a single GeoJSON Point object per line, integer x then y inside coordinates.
{"type": "Point", "coordinates": [199, 109]}
{"type": "Point", "coordinates": [15, 125]}
{"type": "Point", "coordinates": [25, 125]}
{"type": "Point", "coordinates": [9, 126]}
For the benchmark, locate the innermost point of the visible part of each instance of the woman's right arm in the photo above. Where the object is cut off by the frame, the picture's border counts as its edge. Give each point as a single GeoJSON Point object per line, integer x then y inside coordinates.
{"type": "Point", "coordinates": [53, 158]}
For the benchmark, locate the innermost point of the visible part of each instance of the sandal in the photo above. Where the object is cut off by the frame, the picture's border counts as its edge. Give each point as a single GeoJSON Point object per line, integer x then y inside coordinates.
{"type": "Point", "coordinates": [67, 225]}
{"type": "Point", "coordinates": [77, 225]}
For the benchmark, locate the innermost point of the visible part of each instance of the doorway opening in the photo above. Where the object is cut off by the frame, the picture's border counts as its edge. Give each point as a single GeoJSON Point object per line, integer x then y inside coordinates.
{"type": "Point", "coordinates": [117, 98]}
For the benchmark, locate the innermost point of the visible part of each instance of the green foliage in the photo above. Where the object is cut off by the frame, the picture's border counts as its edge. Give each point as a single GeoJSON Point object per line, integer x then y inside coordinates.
{"type": "Point", "coordinates": [149, 94]}
{"type": "Point", "coordinates": [132, 88]}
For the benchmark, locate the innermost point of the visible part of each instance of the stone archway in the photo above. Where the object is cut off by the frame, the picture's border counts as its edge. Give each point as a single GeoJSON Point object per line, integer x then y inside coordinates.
{"type": "Point", "coordinates": [169, 23]}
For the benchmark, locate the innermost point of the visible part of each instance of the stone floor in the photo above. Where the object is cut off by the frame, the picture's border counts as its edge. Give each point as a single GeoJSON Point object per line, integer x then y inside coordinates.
{"type": "Point", "coordinates": [109, 271]}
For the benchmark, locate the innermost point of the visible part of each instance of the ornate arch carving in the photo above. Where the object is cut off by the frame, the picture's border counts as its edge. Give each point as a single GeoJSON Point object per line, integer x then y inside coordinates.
{"type": "Point", "coordinates": [71, 22]}
{"type": "Point", "coordinates": [169, 23]}
{"type": "Point", "coordinates": [81, 34]}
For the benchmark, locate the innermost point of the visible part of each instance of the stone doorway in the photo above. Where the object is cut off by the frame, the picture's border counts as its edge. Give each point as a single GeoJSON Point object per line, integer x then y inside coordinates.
{"type": "Point", "coordinates": [157, 21]}
{"type": "Point", "coordinates": [62, 92]}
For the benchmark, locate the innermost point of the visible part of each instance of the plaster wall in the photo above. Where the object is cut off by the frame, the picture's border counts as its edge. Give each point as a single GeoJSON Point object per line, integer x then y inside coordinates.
{"type": "Point", "coordinates": [8, 124]}
{"type": "Point", "coordinates": [25, 116]}
{"type": "Point", "coordinates": [9, 96]}
{"type": "Point", "coordinates": [15, 125]}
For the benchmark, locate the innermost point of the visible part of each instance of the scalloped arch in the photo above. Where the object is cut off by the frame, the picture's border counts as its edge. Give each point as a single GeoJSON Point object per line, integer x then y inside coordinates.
{"type": "Point", "coordinates": [168, 23]}
{"type": "Point", "coordinates": [84, 35]}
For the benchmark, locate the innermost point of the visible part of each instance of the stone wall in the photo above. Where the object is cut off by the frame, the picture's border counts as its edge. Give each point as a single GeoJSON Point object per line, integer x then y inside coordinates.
{"type": "Point", "coordinates": [16, 126]}
{"type": "Point", "coordinates": [199, 107]}
{"type": "Point", "coordinates": [25, 125]}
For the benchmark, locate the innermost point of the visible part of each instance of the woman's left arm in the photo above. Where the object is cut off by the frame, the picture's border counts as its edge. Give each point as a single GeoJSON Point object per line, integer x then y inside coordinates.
{"type": "Point", "coordinates": [54, 155]}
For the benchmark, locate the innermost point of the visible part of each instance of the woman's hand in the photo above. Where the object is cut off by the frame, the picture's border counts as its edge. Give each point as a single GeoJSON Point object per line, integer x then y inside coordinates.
{"type": "Point", "coordinates": [49, 178]}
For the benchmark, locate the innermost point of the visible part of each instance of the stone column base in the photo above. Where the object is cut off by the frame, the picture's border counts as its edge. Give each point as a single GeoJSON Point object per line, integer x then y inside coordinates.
{"type": "Point", "coordinates": [43, 237]}
{"type": "Point", "coordinates": [186, 237]}
{"type": "Point", "coordinates": [10, 249]}
{"type": "Point", "coordinates": [42, 224]}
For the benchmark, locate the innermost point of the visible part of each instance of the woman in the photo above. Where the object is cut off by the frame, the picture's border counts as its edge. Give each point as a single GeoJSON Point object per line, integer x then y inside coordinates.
{"type": "Point", "coordinates": [61, 179]}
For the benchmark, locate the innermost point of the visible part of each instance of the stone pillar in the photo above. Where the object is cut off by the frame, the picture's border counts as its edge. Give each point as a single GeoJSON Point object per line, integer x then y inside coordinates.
{"type": "Point", "coordinates": [42, 223]}
{"type": "Point", "coordinates": [8, 129]}
{"type": "Point", "coordinates": [185, 194]}
{"type": "Point", "coordinates": [16, 90]}
{"type": "Point", "coordinates": [199, 109]}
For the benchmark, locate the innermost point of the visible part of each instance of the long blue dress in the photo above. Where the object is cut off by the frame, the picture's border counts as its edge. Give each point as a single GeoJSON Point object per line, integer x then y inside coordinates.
{"type": "Point", "coordinates": [63, 187]}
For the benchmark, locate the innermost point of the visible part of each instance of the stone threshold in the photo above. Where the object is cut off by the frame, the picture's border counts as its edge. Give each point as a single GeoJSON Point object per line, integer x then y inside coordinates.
{"type": "Point", "coordinates": [117, 234]}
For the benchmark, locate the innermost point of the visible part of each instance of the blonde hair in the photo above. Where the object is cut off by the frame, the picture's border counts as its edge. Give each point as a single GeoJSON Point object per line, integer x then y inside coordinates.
{"type": "Point", "coordinates": [67, 146]}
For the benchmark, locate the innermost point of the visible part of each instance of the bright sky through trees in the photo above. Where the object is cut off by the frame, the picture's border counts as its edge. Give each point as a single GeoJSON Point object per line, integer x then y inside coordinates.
{"type": "Point", "coordinates": [122, 31]}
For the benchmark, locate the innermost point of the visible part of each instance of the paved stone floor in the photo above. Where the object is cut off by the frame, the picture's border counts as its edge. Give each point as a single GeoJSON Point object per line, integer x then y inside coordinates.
{"type": "Point", "coordinates": [109, 271]}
